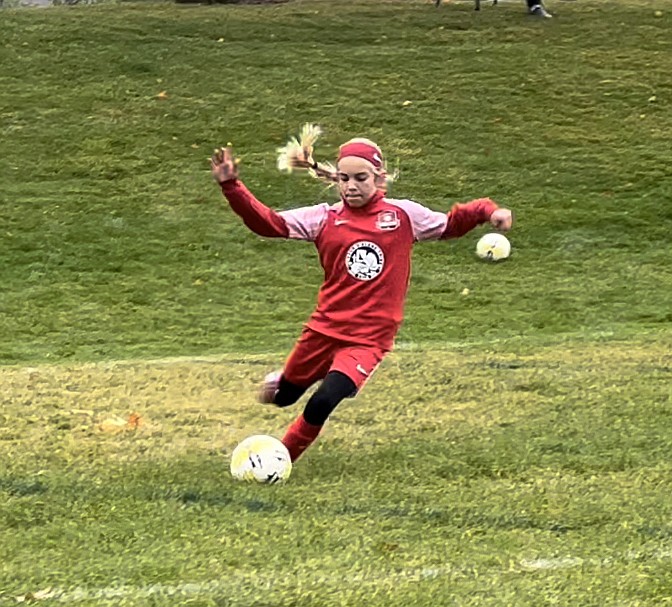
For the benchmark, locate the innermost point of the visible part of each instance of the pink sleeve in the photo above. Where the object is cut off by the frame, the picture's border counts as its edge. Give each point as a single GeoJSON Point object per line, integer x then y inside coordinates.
{"type": "Point", "coordinates": [465, 217]}
{"type": "Point", "coordinates": [434, 225]}
{"type": "Point", "coordinates": [426, 224]}
{"type": "Point", "coordinates": [255, 214]}
{"type": "Point", "coordinates": [305, 223]}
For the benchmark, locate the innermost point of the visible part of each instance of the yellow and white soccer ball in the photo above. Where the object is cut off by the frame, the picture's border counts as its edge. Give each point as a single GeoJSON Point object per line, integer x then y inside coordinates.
{"type": "Point", "coordinates": [262, 459]}
{"type": "Point", "coordinates": [493, 247]}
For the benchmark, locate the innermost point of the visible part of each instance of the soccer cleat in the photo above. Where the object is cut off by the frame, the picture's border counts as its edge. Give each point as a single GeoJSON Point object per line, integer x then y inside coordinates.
{"type": "Point", "coordinates": [437, 3]}
{"type": "Point", "coordinates": [269, 388]}
{"type": "Point", "coordinates": [539, 11]}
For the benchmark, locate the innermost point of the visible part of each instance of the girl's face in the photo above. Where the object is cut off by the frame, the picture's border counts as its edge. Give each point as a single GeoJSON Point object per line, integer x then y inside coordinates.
{"type": "Point", "coordinates": [357, 180]}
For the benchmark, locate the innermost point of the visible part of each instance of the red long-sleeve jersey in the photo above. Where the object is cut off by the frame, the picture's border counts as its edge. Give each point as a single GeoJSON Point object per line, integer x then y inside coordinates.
{"type": "Point", "coordinates": [365, 253]}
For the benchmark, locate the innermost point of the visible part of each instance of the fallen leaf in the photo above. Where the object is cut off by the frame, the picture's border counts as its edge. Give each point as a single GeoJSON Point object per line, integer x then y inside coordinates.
{"type": "Point", "coordinates": [115, 424]}
{"type": "Point", "coordinates": [40, 595]}
{"type": "Point", "coordinates": [162, 95]}
{"type": "Point", "coordinates": [134, 420]}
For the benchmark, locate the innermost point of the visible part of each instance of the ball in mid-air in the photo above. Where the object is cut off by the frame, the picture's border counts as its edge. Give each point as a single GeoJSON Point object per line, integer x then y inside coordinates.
{"type": "Point", "coordinates": [493, 247]}
{"type": "Point", "coordinates": [262, 459]}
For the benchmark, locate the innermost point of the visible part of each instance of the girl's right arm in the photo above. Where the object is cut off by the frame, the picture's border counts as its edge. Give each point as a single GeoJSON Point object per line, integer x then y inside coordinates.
{"type": "Point", "coordinates": [255, 214]}
{"type": "Point", "coordinates": [300, 224]}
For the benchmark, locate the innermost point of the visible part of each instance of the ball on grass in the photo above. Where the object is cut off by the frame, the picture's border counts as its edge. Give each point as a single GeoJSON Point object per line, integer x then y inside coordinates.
{"type": "Point", "coordinates": [261, 459]}
{"type": "Point", "coordinates": [493, 247]}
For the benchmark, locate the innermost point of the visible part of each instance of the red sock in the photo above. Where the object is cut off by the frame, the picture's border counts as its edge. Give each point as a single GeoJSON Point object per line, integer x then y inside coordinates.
{"type": "Point", "coordinates": [299, 436]}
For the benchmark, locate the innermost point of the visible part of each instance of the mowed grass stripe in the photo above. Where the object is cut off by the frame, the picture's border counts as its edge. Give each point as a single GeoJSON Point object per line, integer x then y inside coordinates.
{"type": "Point", "coordinates": [414, 391]}
{"type": "Point", "coordinates": [237, 584]}
{"type": "Point", "coordinates": [500, 474]}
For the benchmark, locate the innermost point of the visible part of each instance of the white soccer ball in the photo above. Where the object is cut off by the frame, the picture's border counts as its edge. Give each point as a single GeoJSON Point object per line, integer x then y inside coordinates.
{"type": "Point", "coordinates": [493, 247]}
{"type": "Point", "coordinates": [261, 459]}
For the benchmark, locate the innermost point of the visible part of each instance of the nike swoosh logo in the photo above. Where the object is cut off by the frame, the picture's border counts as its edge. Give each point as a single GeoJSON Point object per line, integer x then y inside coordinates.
{"type": "Point", "coordinates": [362, 370]}
{"type": "Point", "coordinates": [338, 222]}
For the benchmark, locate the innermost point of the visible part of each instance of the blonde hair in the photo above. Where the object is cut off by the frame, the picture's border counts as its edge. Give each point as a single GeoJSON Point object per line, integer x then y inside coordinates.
{"type": "Point", "coordinates": [297, 153]}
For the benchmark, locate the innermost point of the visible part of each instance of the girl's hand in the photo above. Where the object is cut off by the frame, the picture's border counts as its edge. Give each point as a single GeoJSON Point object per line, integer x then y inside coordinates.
{"type": "Point", "coordinates": [501, 219]}
{"type": "Point", "coordinates": [224, 166]}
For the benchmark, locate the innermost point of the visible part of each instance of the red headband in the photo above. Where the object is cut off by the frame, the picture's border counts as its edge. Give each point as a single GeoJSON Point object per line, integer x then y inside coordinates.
{"type": "Point", "coordinates": [362, 150]}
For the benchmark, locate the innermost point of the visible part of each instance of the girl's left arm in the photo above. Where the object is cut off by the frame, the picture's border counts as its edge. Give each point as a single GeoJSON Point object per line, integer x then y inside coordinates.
{"type": "Point", "coordinates": [463, 218]}
{"type": "Point", "coordinates": [434, 225]}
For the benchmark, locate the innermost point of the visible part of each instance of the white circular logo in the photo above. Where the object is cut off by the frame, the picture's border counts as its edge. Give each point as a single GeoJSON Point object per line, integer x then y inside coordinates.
{"type": "Point", "coordinates": [365, 260]}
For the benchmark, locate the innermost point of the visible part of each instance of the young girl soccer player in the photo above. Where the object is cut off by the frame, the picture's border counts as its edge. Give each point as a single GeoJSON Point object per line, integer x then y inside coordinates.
{"type": "Point", "coordinates": [364, 244]}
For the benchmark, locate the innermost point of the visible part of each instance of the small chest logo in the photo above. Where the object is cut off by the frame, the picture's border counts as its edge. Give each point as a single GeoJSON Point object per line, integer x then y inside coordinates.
{"type": "Point", "coordinates": [365, 260]}
{"type": "Point", "coordinates": [387, 221]}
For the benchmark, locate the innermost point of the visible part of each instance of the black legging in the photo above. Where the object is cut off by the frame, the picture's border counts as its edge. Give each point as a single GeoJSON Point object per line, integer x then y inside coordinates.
{"type": "Point", "coordinates": [335, 387]}
{"type": "Point", "coordinates": [288, 393]}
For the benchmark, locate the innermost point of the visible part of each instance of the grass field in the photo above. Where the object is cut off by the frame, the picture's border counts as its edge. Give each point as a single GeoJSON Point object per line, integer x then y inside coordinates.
{"type": "Point", "coordinates": [512, 451]}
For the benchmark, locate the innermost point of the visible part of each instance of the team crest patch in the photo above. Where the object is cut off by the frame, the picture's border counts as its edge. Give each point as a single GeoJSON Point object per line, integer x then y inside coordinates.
{"type": "Point", "coordinates": [387, 221]}
{"type": "Point", "coordinates": [365, 260]}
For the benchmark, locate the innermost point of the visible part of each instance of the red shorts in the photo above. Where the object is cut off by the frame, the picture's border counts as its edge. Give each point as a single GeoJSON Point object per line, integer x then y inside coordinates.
{"type": "Point", "coordinates": [315, 354]}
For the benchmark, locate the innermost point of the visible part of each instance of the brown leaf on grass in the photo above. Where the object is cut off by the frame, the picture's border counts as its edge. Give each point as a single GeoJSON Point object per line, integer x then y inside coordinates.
{"type": "Point", "coordinates": [134, 420]}
{"type": "Point", "coordinates": [40, 595]}
{"type": "Point", "coordinates": [162, 95]}
{"type": "Point", "coordinates": [116, 424]}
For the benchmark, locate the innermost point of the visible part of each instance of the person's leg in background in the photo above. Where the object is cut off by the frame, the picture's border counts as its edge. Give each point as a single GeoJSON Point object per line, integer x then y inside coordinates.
{"type": "Point", "coordinates": [536, 9]}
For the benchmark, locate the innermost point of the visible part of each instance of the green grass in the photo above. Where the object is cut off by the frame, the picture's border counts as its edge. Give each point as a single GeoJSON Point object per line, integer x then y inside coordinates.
{"type": "Point", "coordinates": [514, 449]}
{"type": "Point", "coordinates": [116, 243]}
{"type": "Point", "coordinates": [521, 476]}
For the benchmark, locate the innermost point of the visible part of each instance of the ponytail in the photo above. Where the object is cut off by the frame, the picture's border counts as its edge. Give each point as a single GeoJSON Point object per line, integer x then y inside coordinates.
{"type": "Point", "coordinates": [297, 153]}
